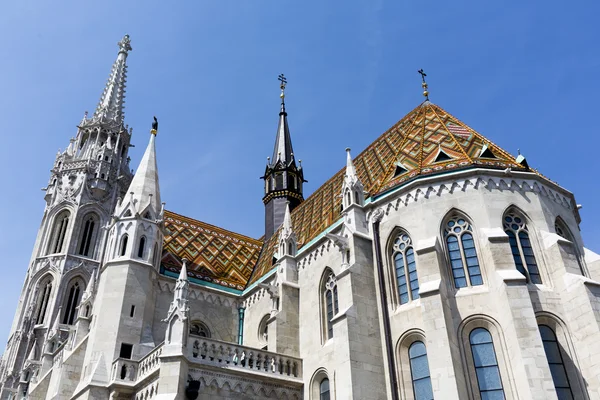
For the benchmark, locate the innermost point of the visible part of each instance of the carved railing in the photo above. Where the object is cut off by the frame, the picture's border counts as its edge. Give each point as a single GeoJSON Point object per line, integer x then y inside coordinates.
{"type": "Point", "coordinates": [150, 363]}
{"type": "Point", "coordinates": [232, 356]}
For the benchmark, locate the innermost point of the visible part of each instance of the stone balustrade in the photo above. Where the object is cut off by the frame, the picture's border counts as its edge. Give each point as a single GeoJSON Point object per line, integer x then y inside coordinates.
{"type": "Point", "coordinates": [233, 356]}
{"type": "Point", "coordinates": [150, 363]}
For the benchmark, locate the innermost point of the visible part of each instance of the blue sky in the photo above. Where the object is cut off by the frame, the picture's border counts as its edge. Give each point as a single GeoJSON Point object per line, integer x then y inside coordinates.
{"type": "Point", "coordinates": [524, 74]}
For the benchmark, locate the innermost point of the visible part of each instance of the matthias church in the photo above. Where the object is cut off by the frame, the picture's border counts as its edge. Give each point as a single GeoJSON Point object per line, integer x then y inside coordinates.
{"type": "Point", "coordinates": [433, 265]}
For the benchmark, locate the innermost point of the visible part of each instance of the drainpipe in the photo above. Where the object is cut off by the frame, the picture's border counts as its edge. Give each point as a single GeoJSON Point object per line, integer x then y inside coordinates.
{"type": "Point", "coordinates": [241, 311]}
{"type": "Point", "coordinates": [384, 309]}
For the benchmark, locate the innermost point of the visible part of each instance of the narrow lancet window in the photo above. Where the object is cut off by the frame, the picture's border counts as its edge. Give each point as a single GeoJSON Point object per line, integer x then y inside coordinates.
{"type": "Point", "coordinates": [123, 248]}
{"type": "Point", "coordinates": [486, 365]}
{"type": "Point", "coordinates": [59, 232]}
{"type": "Point", "coordinates": [556, 363]}
{"type": "Point", "coordinates": [331, 308]}
{"type": "Point", "coordinates": [141, 247]}
{"type": "Point", "coordinates": [73, 299]}
{"type": "Point", "coordinates": [88, 236]}
{"type": "Point", "coordinates": [419, 371]}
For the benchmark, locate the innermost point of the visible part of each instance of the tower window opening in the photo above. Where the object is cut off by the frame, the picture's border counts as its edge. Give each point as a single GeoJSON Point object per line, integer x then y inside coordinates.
{"type": "Point", "coordinates": [105, 158]}
{"type": "Point", "coordinates": [59, 232]}
{"type": "Point", "coordinates": [126, 350]}
{"type": "Point", "coordinates": [123, 248]}
{"type": "Point", "coordinates": [72, 302]}
{"type": "Point", "coordinates": [141, 247]}
{"type": "Point", "coordinates": [132, 312]}
{"type": "Point", "coordinates": [86, 247]}
{"type": "Point", "coordinates": [43, 302]}
{"type": "Point", "coordinates": [278, 181]}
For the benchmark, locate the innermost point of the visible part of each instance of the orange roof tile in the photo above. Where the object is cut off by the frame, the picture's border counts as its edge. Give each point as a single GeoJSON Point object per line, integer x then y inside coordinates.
{"type": "Point", "coordinates": [215, 254]}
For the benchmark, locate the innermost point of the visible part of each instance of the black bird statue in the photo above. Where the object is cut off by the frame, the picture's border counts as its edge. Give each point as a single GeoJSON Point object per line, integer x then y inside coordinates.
{"type": "Point", "coordinates": [155, 124]}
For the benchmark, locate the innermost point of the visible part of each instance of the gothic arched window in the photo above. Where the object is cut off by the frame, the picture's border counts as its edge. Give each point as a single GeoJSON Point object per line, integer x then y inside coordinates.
{"type": "Point", "coordinates": [324, 389]}
{"type": "Point", "coordinates": [73, 297]}
{"type": "Point", "coordinates": [462, 252]}
{"type": "Point", "coordinates": [518, 237]}
{"type": "Point", "coordinates": [198, 328]}
{"type": "Point", "coordinates": [263, 332]}
{"type": "Point", "coordinates": [87, 239]}
{"type": "Point", "coordinates": [141, 247]}
{"type": "Point", "coordinates": [556, 363]}
{"type": "Point", "coordinates": [44, 293]}
{"type": "Point", "coordinates": [329, 304]}
{"type": "Point", "coordinates": [486, 364]}
{"type": "Point", "coordinates": [419, 370]}
{"type": "Point", "coordinates": [59, 232]}
{"type": "Point", "coordinates": [405, 268]}
{"type": "Point", "coordinates": [123, 247]}
{"type": "Point", "coordinates": [563, 231]}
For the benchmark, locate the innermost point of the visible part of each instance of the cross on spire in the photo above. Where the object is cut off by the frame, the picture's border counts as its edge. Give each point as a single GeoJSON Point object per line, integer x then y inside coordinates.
{"type": "Point", "coordinates": [424, 84]}
{"type": "Point", "coordinates": [283, 81]}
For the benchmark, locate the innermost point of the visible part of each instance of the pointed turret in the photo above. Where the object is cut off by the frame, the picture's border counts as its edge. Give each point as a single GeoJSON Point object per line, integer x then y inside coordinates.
{"type": "Point", "coordinates": [112, 100]}
{"type": "Point", "coordinates": [283, 178]}
{"type": "Point", "coordinates": [144, 189]}
{"type": "Point", "coordinates": [287, 237]}
{"type": "Point", "coordinates": [352, 188]}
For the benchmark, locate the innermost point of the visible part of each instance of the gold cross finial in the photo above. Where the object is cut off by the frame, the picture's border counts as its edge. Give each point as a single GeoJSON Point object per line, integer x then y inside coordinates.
{"type": "Point", "coordinates": [424, 84]}
{"type": "Point", "coordinates": [283, 81]}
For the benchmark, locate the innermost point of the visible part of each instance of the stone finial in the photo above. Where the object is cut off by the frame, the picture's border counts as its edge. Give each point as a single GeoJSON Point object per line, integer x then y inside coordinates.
{"type": "Point", "coordinates": [124, 44]}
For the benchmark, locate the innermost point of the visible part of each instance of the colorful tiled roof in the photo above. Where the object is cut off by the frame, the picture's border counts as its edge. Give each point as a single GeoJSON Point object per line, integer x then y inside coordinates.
{"type": "Point", "coordinates": [215, 255]}
{"type": "Point", "coordinates": [428, 140]}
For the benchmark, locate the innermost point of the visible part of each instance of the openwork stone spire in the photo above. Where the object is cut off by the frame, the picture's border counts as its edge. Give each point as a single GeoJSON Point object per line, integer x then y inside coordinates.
{"type": "Point", "coordinates": [111, 105]}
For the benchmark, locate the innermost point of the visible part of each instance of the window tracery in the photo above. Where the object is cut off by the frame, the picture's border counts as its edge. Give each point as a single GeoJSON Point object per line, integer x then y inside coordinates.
{"type": "Point", "coordinates": [330, 303]}
{"type": "Point", "coordinates": [520, 245]}
{"type": "Point", "coordinates": [405, 268]}
{"type": "Point", "coordinates": [198, 328]}
{"type": "Point", "coordinates": [462, 252]}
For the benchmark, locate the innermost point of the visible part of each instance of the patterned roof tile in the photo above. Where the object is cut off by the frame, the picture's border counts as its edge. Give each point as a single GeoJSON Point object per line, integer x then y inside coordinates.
{"type": "Point", "coordinates": [414, 142]}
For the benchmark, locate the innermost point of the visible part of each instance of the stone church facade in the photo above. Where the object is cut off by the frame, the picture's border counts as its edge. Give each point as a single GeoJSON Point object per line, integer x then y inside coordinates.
{"type": "Point", "coordinates": [433, 265]}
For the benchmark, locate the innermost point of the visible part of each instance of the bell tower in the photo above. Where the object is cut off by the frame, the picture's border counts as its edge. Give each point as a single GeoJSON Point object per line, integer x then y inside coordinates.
{"type": "Point", "coordinates": [85, 182]}
{"type": "Point", "coordinates": [283, 178]}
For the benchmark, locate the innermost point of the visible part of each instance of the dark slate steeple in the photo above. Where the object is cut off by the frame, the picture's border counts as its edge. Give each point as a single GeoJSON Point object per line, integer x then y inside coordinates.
{"type": "Point", "coordinates": [283, 178]}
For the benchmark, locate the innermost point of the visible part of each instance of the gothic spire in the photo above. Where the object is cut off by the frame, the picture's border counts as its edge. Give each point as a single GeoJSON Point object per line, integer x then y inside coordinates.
{"type": "Point", "coordinates": [350, 169]}
{"type": "Point", "coordinates": [283, 142]}
{"type": "Point", "coordinates": [144, 190]}
{"type": "Point", "coordinates": [283, 178]}
{"type": "Point", "coordinates": [111, 105]}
